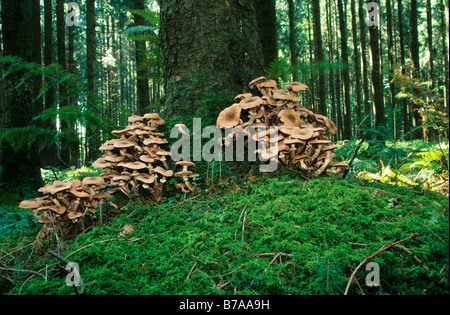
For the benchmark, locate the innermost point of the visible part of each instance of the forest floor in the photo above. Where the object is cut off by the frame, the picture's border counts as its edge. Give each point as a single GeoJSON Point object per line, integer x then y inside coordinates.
{"type": "Point", "coordinates": [267, 234]}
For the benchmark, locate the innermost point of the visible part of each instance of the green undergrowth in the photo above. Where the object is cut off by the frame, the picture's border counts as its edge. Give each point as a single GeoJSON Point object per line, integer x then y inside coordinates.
{"type": "Point", "coordinates": [276, 234]}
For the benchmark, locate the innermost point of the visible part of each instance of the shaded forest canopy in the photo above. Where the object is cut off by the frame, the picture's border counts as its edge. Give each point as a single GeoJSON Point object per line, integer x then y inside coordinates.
{"type": "Point", "coordinates": [71, 72]}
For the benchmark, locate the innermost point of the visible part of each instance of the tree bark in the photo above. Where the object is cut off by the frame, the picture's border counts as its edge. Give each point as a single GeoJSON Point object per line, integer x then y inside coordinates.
{"type": "Point", "coordinates": [210, 49]}
{"type": "Point", "coordinates": [367, 116]}
{"type": "Point", "coordinates": [430, 43]}
{"type": "Point", "coordinates": [143, 94]}
{"type": "Point", "coordinates": [346, 76]}
{"type": "Point", "coordinates": [357, 62]}
{"type": "Point", "coordinates": [319, 57]}
{"type": "Point", "coordinates": [49, 154]}
{"type": "Point", "coordinates": [405, 107]}
{"type": "Point", "coordinates": [377, 87]}
{"type": "Point", "coordinates": [91, 55]}
{"type": "Point", "coordinates": [267, 27]}
{"type": "Point", "coordinates": [64, 150]}
{"type": "Point", "coordinates": [20, 168]}
{"type": "Point", "coordinates": [292, 46]}
{"type": "Point", "coordinates": [415, 46]}
{"type": "Point", "coordinates": [444, 37]}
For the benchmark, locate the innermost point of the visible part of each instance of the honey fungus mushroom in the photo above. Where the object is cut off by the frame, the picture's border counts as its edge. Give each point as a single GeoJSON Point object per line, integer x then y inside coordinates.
{"type": "Point", "coordinates": [229, 117]}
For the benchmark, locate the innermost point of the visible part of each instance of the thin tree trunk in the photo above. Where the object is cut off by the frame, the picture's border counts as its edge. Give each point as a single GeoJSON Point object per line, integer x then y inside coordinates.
{"type": "Point", "coordinates": [405, 107]}
{"type": "Point", "coordinates": [357, 62]}
{"type": "Point", "coordinates": [143, 93]}
{"type": "Point", "coordinates": [390, 52]}
{"type": "Point", "coordinates": [331, 76]}
{"type": "Point", "coordinates": [377, 87]}
{"type": "Point", "coordinates": [73, 101]}
{"type": "Point", "coordinates": [430, 43]}
{"type": "Point", "coordinates": [90, 71]}
{"type": "Point", "coordinates": [319, 57]}
{"type": "Point", "coordinates": [48, 156]}
{"type": "Point", "coordinates": [339, 118]}
{"type": "Point", "coordinates": [444, 38]}
{"type": "Point", "coordinates": [292, 41]}
{"type": "Point", "coordinates": [415, 52]}
{"type": "Point", "coordinates": [346, 76]}
{"type": "Point", "coordinates": [64, 150]}
{"type": "Point", "coordinates": [367, 116]}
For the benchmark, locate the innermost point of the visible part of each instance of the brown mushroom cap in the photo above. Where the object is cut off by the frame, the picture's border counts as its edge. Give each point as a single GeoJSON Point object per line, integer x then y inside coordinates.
{"type": "Point", "coordinates": [31, 204]}
{"type": "Point", "coordinates": [152, 116]}
{"type": "Point", "coordinates": [242, 96]}
{"type": "Point", "coordinates": [122, 177]}
{"type": "Point", "coordinates": [268, 84]}
{"type": "Point", "coordinates": [135, 118]}
{"type": "Point", "coordinates": [162, 153]}
{"type": "Point", "coordinates": [114, 158]}
{"type": "Point", "coordinates": [145, 178]}
{"type": "Point", "coordinates": [80, 194]}
{"type": "Point", "coordinates": [58, 209]}
{"type": "Point", "coordinates": [296, 87]}
{"type": "Point", "coordinates": [163, 172]}
{"type": "Point", "coordinates": [133, 165]}
{"type": "Point", "coordinates": [330, 147]}
{"type": "Point", "coordinates": [146, 159]}
{"type": "Point", "coordinates": [155, 141]}
{"type": "Point", "coordinates": [252, 102]}
{"type": "Point", "coordinates": [58, 186]}
{"type": "Point", "coordinates": [101, 163]}
{"type": "Point", "coordinates": [74, 215]}
{"type": "Point", "coordinates": [183, 174]}
{"type": "Point", "coordinates": [256, 82]}
{"type": "Point", "coordinates": [303, 134]}
{"type": "Point", "coordinates": [185, 163]}
{"type": "Point", "coordinates": [229, 117]}
{"type": "Point", "coordinates": [93, 181]}
{"type": "Point", "coordinates": [289, 118]}
{"type": "Point", "coordinates": [123, 144]}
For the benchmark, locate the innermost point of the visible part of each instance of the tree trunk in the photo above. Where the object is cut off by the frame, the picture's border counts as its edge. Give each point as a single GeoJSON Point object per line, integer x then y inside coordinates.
{"type": "Point", "coordinates": [319, 57]}
{"type": "Point", "coordinates": [377, 87]}
{"type": "Point", "coordinates": [91, 55]}
{"type": "Point", "coordinates": [73, 101]}
{"type": "Point", "coordinates": [20, 168]}
{"type": "Point", "coordinates": [209, 49]}
{"type": "Point", "coordinates": [64, 151]}
{"type": "Point", "coordinates": [346, 76]}
{"type": "Point", "coordinates": [357, 62]}
{"type": "Point", "coordinates": [444, 36]}
{"type": "Point", "coordinates": [331, 76]}
{"type": "Point", "coordinates": [49, 154]}
{"type": "Point", "coordinates": [367, 116]}
{"type": "Point", "coordinates": [415, 53]}
{"type": "Point", "coordinates": [267, 26]}
{"type": "Point", "coordinates": [405, 107]}
{"type": "Point", "coordinates": [143, 94]}
{"type": "Point", "coordinates": [430, 43]}
{"type": "Point", "coordinates": [292, 46]}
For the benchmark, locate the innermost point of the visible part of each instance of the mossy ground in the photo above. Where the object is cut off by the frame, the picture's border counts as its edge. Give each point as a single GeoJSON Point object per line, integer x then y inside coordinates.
{"type": "Point", "coordinates": [208, 243]}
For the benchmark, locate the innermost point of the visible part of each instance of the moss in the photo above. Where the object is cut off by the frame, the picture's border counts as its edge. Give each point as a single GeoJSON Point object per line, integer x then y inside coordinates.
{"type": "Point", "coordinates": [323, 226]}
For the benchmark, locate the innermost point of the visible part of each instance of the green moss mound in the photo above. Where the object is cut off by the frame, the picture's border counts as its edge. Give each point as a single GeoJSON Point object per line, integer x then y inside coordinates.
{"type": "Point", "coordinates": [278, 234]}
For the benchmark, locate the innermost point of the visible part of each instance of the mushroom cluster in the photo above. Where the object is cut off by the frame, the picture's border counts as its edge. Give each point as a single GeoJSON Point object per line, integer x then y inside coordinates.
{"type": "Point", "coordinates": [302, 135]}
{"type": "Point", "coordinates": [137, 160]}
{"type": "Point", "coordinates": [66, 201]}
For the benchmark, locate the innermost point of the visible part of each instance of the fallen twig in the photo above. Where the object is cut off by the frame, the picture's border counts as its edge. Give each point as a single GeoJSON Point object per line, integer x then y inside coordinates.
{"type": "Point", "coordinates": [367, 259]}
{"type": "Point", "coordinates": [409, 252]}
{"type": "Point", "coordinates": [355, 152]}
